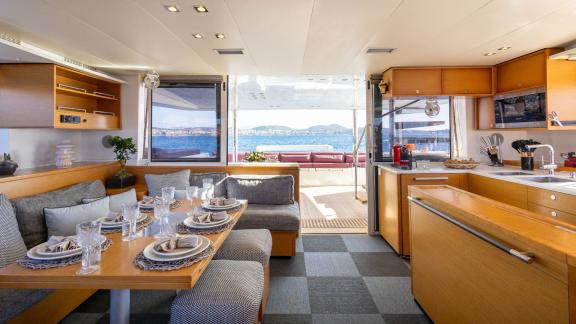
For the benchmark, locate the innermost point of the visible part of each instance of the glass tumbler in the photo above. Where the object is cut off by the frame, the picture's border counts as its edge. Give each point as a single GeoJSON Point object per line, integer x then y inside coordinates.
{"type": "Point", "coordinates": [168, 194]}
{"type": "Point", "coordinates": [88, 238]}
{"type": "Point", "coordinates": [192, 195]}
{"type": "Point", "coordinates": [130, 213]}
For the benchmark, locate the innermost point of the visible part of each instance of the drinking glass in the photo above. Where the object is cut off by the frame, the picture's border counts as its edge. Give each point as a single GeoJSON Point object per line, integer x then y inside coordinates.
{"type": "Point", "coordinates": [168, 194]}
{"type": "Point", "coordinates": [207, 183]}
{"type": "Point", "coordinates": [88, 237]}
{"type": "Point", "coordinates": [192, 194]}
{"type": "Point", "coordinates": [162, 211]}
{"type": "Point", "coordinates": [130, 213]}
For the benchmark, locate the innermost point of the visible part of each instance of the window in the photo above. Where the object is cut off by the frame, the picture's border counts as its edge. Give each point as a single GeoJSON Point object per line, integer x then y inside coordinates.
{"type": "Point", "coordinates": [410, 125]}
{"type": "Point", "coordinates": [186, 122]}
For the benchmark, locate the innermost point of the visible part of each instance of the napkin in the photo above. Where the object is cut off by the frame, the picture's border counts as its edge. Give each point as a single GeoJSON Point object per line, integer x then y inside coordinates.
{"type": "Point", "coordinates": [216, 201]}
{"type": "Point", "coordinates": [60, 244]}
{"type": "Point", "coordinates": [209, 217]}
{"type": "Point", "coordinates": [176, 242]}
{"type": "Point", "coordinates": [113, 217]}
{"type": "Point", "coordinates": [229, 201]}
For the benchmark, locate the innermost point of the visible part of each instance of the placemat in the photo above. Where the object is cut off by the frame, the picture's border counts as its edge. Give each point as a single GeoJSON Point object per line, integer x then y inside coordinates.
{"type": "Point", "coordinates": [139, 226]}
{"type": "Point", "coordinates": [183, 229]}
{"type": "Point", "coordinates": [47, 264]}
{"type": "Point", "coordinates": [146, 264]}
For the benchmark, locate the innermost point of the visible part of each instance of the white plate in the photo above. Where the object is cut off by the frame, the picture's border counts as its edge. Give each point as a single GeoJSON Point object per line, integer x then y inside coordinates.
{"type": "Point", "coordinates": [150, 254]}
{"type": "Point", "coordinates": [39, 250]}
{"type": "Point", "coordinates": [210, 207]}
{"type": "Point", "coordinates": [189, 222]}
{"type": "Point", "coordinates": [107, 224]}
{"type": "Point", "coordinates": [33, 252]}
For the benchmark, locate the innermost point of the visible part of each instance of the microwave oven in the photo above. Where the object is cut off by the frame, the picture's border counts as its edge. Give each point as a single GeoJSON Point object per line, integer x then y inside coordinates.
{"type": "Point", "coordinates": [526, 109]}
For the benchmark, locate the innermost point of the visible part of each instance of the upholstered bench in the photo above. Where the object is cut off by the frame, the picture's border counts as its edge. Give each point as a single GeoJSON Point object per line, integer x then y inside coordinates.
{"type": "Point", "coordinates": [250, 245]}
{"type": "Point", "coordinates": [228, 291]}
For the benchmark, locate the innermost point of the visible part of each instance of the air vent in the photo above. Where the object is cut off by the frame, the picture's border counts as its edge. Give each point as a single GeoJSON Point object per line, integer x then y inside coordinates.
{"type": "Point", "coordinates": [10, 38]}
{"type": "Point", "coordinates": [383, 50]}
{"type": "Point", "coordinates": [80, 64]}
{"type": "Point", "coordinates": [230, 51]}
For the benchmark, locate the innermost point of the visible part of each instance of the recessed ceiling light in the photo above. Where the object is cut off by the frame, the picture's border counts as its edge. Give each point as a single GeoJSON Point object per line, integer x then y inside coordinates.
{"type": "Point", "coordinates": [171, 8]}
{"type": "Point", "coordinates": [197, 35]}
{"type": "Point", "coordinates": [503, 48]}
{"type": "Point", "coordinates": [489, 54]}
{"type": "Point", "coordinates": [220, 36]}
{"type": "Point", "coordinates": [201, 9]}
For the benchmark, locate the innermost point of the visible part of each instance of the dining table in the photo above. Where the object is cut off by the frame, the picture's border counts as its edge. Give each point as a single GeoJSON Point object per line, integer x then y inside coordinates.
{"type": "Point", "coordinates": [117, 272]}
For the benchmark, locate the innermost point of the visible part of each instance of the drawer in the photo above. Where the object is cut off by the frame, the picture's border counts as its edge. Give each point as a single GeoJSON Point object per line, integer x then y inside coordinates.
{"type": "Point", "coordinates": [553, 213]}
{"type": "Point", "coordinates": [551, 199]}
{"type": "Point", "coordinates": [449, 179]}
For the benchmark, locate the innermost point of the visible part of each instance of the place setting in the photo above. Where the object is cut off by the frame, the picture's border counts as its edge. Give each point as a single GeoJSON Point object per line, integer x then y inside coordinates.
{"type": "Point", "coordinates": [114, 222]}
{"type": "Point", "coordinates": [85, 247]}
{"type": "Point", "coordinates": [174, 252]}
{"type": "Point", "coordinates": [168, 193]}
{"type": "Point", "coordinates": [211, 218]}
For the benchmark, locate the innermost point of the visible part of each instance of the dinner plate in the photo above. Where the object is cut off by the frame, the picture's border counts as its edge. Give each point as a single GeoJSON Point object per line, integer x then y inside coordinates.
{"type": "Point", "coordinates": [150, 254]}
{"type": "Point", "coordinates": [191, 223]}
{"type": "Point", "coordinates": [108, 224]}
{"type": "Point", "coordinates": [40, 250]}
{"type": "Point", "coordinates": [180, 251]}
{"type": "Point", "coordinates": [33, 252]}
{"type": "Point", "coordinates": [227, 207]}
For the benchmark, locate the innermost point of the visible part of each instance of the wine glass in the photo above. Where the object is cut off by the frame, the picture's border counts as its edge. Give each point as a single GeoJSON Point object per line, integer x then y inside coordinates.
{"type": "Point", "coordinates": [130, 213]}
{"type": "Point", "coordinates": [162, 211]}
{"type": "Point", "coordinates": [168, 194]}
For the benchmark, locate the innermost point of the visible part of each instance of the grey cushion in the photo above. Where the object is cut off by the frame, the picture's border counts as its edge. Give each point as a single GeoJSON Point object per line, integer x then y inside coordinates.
{"type": "Point", "coordinates": [219, 179]}
{"type": "Point", "coordinates": [247, 245]}
{"type": "Point", "coordinates": [15, 301]}
{"type": "Point", "coordinates": [12, 245]}
{"type": "Point", "coordinates": [117, 201]}
{"type": "Point", "coordinates": [259, 189]}
{"type": "Point", "coordinates": [227, 292]}
{"type": "Point", "coordinates": [155, 182]}
{"type": "Point", "coordinates": [30, 210]}
{"type": "Point", "coordinates": [62, 221]}
{"type": "Point", "coordinates": [271, 217]}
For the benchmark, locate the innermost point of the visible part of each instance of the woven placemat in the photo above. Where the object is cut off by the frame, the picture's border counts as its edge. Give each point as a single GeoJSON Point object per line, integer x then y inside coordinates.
{"type": "Point", "coordinates": [173, 205]}
{"type": "Point", "coordinates": [146, 264]}
{"type": "Point", "coordinates": [47, 264]}
{"type": "Point", "coordinates": [183, 229]}
{"type": "Point", "coordinates": [139, 226]}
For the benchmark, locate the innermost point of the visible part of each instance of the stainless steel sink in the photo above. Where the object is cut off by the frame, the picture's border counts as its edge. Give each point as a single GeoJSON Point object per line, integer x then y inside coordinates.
{"type": "Point", "coordinates": [547, 180]}
{"type": "Point", "coordinates": [510, 173]}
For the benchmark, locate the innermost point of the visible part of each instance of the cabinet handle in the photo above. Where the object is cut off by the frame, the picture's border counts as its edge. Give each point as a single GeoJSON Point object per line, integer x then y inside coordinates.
{"type": "Point", "coordinates": [553, 197]}
{"type": "Point", "coordinates": [553, 213]}
{"type": "Point", "coordinates": [431, 179]}
{"type": "Point", "coordinates": [527, 257]}
{"type": "Point", "coordinates": [417, 91]}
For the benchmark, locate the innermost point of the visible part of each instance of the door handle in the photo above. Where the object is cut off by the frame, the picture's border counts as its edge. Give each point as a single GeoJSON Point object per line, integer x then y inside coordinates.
{"type": "Point", "coordinates": [431, 179]}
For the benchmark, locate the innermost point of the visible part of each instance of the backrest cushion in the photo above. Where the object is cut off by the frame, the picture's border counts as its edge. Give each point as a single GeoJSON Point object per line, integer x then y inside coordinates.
{"type": "Point", "coordinates": [118, 200]}
{"type": "Point", "coordinates": [155, 182]}
{"type": "Point", "coordinates": [295, 158]}
{"type": "Point", "coordinates": [62, 221]}
{"type": "Point", "coordinates": [327, 158]}
{"type": "Point", "coordinates": [262, 189]}
{"type": "Point", "coordinates": [218, 178]}
{"type": "Point", "coordinates": [12, 245]}
{"type": "Point", "coordinates": [30, 210]}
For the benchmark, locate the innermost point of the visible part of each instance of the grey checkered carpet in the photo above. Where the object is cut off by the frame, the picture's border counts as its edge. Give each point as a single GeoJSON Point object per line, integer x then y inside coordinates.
{"type": "Point", "coordinates": [333, 279]}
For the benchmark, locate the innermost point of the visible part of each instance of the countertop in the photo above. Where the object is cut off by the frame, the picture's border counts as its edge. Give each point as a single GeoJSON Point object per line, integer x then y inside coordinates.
{"type": "Point", "coordinates": [488, 171]}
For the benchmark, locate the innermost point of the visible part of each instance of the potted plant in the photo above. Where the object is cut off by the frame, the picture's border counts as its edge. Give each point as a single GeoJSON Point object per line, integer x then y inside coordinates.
{"type": "Point", "coordinates": [255, 156]}
{"type": "Point", "coordinates": [123, 148]}
{"type": "Point", "coordinates": [7, 166]}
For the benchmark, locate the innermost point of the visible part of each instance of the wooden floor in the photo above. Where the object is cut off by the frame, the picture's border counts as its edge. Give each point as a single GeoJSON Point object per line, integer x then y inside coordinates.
{"type": "Point", "coordinates": [333, 209]}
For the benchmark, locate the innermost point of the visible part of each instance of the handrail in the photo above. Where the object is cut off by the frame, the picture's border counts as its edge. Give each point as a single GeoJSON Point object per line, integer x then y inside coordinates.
{"type": "Point", "coordinates": [526, 257]}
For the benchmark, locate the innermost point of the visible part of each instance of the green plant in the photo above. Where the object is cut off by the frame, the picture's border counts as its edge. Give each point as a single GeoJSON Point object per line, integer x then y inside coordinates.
{"type": "Point", "coordinates": [255, 157]}
{"type": "Point", "coordinates": [6, 157]}
{"type": "Point", "coordinates": [123, 148]}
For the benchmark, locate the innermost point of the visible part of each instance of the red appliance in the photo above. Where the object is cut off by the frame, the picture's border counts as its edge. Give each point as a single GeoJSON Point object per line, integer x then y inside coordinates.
{"type": "Point", "coordinates": [396, 153]}
{"type": "Point", "coordinates": [570, 161]}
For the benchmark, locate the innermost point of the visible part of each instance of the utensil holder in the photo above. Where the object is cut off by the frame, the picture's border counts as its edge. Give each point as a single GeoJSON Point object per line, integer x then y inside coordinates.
{"type": "Point", "coordinates": [527, 162]}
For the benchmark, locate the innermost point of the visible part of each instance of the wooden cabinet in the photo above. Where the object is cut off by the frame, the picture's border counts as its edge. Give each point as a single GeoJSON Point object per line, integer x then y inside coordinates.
{"type": "Point", "coordinates": [553, 204]}
{"type": "Point", "coordinates": [485, 113]}
{"type": "Point", "coordinates": [507, 192]}
{"type": "Point", "coordinates": [48, 95]}
{"type": "Point", "coordinates": [438, 81]}
{"type": "Point", "coordinates": [468, 81]}
{"type": "Point", "coordinates": [525, 72]}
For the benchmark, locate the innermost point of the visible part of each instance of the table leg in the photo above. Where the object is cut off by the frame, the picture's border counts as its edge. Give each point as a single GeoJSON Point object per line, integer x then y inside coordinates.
{"type": "Point", "coordinates": [119, 306]}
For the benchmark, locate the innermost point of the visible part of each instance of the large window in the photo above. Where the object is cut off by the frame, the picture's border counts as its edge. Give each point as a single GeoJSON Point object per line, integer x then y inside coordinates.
{"type": "Point", "coordinates": [186, 122]}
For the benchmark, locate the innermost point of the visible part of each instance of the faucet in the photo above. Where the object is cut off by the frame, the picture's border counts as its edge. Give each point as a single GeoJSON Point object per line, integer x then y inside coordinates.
{"type": "Point", "coordinates": [551, 166]}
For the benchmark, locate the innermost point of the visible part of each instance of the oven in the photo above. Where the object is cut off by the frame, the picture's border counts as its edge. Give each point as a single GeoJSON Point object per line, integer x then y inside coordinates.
{"type": "Point", "coordinates": [526, 109]}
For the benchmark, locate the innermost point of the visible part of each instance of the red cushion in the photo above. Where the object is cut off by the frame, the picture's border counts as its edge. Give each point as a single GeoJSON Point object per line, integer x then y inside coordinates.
{"type": "Point", "coordinates": [328, 158]}
{"type": "Point", "coordinates": [332, 165]}
{"type": "Point", "coordinates": [361, 158]}
{"type": "Point", "coordinates": [298, 158]}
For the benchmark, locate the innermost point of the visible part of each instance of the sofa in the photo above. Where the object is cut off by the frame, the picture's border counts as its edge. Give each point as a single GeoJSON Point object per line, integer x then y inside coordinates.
{"type": "Point", "coordinates": [313, 160]}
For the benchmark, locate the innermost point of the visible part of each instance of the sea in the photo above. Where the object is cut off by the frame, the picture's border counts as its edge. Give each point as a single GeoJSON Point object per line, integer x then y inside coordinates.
{"type": "Point", "coordinates": [247, 143]}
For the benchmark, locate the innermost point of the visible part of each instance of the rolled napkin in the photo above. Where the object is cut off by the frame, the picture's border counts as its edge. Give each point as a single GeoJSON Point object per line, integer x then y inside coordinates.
{"type": "Point", "coordinates": [229, 201]}
{"type": "Point", "coordinates": [219, 216]}
{"type": "Point", "coordinates": [60, 244]}
{"type": "Point", "coordinates": [176, 242]}
{"type": "Point", "coordinates": [209, 217]}
{"type": "Point", "coordinates": [217, 201]}
{"type": "Point", "coordinates": [148, 200]}
{"type": "Point", "coordinates": [113, 217]}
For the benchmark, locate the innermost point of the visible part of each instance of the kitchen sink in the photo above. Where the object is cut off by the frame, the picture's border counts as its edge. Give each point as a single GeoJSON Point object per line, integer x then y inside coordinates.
{"type": "Point", "coordinates": [511, 173]}
{"type": "Point", "coordinates": [547, 180]}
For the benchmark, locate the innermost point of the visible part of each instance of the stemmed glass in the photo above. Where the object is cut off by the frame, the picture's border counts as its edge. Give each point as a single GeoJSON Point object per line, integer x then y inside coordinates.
{"type": "Point", "coordinates": [130, 213]}
{"type": "Point", "coordinates": [192, 195]}
{"type": "Point", "coordinates": [162, 211]}
{"type": "Point", "coordinates": [208, 186]}
{"type": "Point", "coordinates": [88, 237]}
{"type": "Point", "coordinates": [168, 194]}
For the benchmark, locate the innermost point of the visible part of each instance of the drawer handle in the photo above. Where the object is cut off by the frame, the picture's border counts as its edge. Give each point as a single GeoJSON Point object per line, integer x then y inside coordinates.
{"type": "Point", "coordinates": [431, 179]}
{"type": "Point", "coordinates": [526, 257]}
{"type": "Point", "coordinates": [553, 213]}
{"type": "Point", "coordinates": [553, 197]}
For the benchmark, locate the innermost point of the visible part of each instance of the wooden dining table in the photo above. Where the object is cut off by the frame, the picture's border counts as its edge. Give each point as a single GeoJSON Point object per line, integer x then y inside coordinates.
{"type": "Point", "coordinates": [117, 271]}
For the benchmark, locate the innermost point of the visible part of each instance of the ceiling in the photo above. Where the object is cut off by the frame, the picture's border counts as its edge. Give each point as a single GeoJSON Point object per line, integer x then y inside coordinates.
{"type": "Point", "coordinates": [288, 37]}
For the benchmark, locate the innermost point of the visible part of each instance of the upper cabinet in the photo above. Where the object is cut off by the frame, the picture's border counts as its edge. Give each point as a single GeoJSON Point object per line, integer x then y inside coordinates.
{"type": "Point", "coordinates": [522, 73]}
{"type": "Point", "coordinates": [48, 95]}
{"type": "Point", "coordinates": [445, 81]}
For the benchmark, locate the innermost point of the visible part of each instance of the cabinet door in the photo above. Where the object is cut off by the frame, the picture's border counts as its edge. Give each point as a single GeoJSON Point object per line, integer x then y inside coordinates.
{"type": "Point", "coordinates": [389, 224]}
{"type": "Point", "coordinates": [551, 199]}
{"type": "Point", "coordinates": [472, 81]}
{"type": "Point", "coordinates": [499, 190]}
{"type": "Point", "coordinates": [522, 73]}
{"type": "Point", "coordinates": [417, 82]}
{"type": "Point", "coordinates": [485, 113]}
